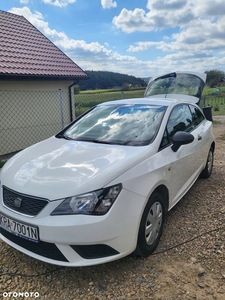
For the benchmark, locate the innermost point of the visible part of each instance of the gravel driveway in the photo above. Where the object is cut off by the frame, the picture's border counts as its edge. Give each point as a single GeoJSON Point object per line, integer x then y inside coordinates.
{"type": "Point", "coordinates": [188, 264]}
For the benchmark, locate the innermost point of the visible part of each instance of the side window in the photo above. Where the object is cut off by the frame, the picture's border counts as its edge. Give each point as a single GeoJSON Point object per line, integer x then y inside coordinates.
{"type": "Point", "coordinates": [197, 115]}
{"type": "Point", "coordinates": [179, 120]}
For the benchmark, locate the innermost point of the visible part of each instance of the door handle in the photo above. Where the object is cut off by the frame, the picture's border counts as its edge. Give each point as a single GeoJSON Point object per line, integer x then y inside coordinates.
{"type": "Point", "coordinates": [199, 137]}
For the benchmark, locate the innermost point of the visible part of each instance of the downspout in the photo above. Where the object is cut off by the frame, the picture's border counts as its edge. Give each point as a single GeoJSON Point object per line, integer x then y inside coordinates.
{"type": "Point", "coordinates": [71, 102]}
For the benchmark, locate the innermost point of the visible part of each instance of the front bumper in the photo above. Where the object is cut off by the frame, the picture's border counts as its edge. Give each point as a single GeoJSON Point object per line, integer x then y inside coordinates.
{"type": "Point", "coordinates": [80, 240]}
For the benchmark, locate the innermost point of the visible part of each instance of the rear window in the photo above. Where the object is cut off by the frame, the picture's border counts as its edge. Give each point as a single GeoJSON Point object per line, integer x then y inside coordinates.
{"type": "Point", "coordinates": [176, 83]}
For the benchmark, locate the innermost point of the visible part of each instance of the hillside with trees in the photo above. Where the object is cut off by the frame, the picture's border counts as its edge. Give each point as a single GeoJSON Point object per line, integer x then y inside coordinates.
{"type": "Point", "coordinates": [109, 80]}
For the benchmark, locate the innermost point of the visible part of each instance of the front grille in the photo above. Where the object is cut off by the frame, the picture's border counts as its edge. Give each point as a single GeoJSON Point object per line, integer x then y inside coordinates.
{"type": "Point", "coordinates": [44, 249]}
{"type": "Point", "coordinates": [24, 204]}
{"type": "Point", "coordinates": [94, 251]}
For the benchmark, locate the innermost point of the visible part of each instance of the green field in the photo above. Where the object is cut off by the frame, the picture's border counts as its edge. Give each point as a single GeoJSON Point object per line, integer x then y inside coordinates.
{"type": "Point", "coordinates": [209, 91]}
{"type": "Point", "coordinates": [216, 99]}
{"type": "Point", "coordinates": [86, 100]}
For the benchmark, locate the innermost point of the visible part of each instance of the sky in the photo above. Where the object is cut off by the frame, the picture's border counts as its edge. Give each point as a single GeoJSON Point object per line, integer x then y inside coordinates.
{"type": "Point", "coordinates": [143, 38]}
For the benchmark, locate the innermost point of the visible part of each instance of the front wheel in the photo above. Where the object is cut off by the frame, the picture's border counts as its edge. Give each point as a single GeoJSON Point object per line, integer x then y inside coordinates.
{"type": "Point", "coordinates": [151, 226]}
{"type": "Point", "coordinates": [209, 165]}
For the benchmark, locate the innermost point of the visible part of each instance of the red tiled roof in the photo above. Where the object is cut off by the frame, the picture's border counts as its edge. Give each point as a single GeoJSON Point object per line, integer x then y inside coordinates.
{"type": "Point", "coordinates": [25, 51]}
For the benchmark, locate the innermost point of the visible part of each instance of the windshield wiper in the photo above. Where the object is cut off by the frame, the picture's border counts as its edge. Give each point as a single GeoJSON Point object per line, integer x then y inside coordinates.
{"type": "Point", "coordinates": [116, 142]}
{"type": "Point", "coordinates": [97, 141]}
{"type": "Point", "coordinates": [62, 136]}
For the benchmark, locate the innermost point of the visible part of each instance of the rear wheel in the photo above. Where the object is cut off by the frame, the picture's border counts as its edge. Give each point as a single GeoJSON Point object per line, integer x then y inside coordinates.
{"type": "Point", "coordinates": [209, 165]}
{"type": "Point", "coordinates": [151, 226]}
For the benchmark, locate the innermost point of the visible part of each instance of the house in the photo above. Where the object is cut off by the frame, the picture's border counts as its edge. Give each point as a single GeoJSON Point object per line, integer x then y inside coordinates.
{"type": "Point", "coordinates": [36, 85]}
{"type": "Point", "coordinates": [221, 83]}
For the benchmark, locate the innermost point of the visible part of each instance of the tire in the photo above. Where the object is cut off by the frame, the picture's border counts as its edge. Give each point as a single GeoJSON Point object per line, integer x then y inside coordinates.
{"type": "Point", "coordinates": [151, 226]}
{"type": "Point", "coordinates": [209, 165]}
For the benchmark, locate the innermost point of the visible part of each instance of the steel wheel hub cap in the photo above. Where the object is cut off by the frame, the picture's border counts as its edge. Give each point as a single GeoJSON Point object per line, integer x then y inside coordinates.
{"type": "Point", "coordinates": [209, 163]}
{"type": "Point", "coordinates": [153, 223]}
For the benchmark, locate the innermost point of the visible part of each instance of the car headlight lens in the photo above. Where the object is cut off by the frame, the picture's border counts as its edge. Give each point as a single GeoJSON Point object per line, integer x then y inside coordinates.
{"type": "Point", "coordinates": [93, 203]}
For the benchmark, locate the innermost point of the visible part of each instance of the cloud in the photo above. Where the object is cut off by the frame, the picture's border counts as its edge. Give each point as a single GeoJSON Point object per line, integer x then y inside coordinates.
{"type": "Point", "coordinates": [37, 20]}
{"type": "Point", "coordinates": [59, 3]}
{"type": "Point", "coordinates": [195, 39]}
{"type": "Point", "coordinates": [90, 56]}
{"type": "Point", "coordinates": [192, 38]}
{"type": "Point", "coordinates": [168, 14]}
{"type": "Point", "coordinates": [163, 14]}
{"type": "Point", "coordinates": [108, 3]}
{"type": "Point", "coordinates": [24, 1]}
{"type": "Point", "coordinates": [166, 4]}
{"type": "Point", "coordinates": [208, 8]}
{"type": "Point", "coordinates": [131, 21]}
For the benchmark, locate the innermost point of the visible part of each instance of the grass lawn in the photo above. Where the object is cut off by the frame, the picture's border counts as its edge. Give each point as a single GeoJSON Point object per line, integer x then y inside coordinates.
{"type": "Point", "coordinates": [209, 91]}
{"type": "Point", "coordinates": [87, 99]}
{"type": "Point", "coordinates": [218, 106]}
{"type": "Point", "coordinates": [216, 99]}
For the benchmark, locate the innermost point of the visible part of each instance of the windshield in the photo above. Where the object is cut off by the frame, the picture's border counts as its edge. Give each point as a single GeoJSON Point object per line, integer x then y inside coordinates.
{"type": "Point", "coordinates": [134, 125]}
{"type": "Point", "coordinates": [176, 83]}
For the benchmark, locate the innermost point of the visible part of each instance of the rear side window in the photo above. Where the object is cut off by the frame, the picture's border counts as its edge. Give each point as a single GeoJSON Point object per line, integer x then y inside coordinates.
{"type": "Point", "coordinates": [197, 116]}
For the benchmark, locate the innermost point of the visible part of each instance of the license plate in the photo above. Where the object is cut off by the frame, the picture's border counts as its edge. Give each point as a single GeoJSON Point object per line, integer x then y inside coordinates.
{"type": "Point", "coordinates": [19, 229]}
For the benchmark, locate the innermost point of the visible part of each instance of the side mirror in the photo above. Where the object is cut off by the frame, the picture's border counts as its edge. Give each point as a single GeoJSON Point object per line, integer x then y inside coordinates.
{"type": "Point", "coordinates": [181, 138]}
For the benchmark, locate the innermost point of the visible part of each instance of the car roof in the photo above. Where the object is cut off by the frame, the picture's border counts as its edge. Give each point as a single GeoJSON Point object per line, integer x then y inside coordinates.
{"type": "Point", "coordinates": [149, 101]}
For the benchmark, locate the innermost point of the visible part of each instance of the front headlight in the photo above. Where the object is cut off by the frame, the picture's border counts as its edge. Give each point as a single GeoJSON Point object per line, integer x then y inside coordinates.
{"type": "Point", "coordinates": [93, 203]}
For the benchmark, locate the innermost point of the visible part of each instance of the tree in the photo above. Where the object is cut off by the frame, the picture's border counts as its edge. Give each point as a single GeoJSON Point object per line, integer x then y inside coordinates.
{"type": "Point", "coordinates": [125, 86]}
{"type": "Point", "coordinates": [213, 77]}
{"type": "Point", "coordinates": [76, 89]}
{"type": "Point", "coordinates": [108, 80]}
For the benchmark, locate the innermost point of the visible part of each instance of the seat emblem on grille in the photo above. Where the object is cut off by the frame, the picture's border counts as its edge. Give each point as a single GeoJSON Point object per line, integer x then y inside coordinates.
{"type": "Point", "coordinates": [17, 202]}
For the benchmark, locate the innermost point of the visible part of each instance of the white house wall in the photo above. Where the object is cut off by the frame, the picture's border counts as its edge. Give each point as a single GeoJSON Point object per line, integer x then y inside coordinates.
{"type": "Point", "coordinates": [31, 111]}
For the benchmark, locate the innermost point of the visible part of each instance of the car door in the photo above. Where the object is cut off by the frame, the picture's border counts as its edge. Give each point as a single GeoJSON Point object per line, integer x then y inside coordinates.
{"type": "Point", "coordinates": [183, 165]}
{"type": "Point", "coordinates": [202, 130]}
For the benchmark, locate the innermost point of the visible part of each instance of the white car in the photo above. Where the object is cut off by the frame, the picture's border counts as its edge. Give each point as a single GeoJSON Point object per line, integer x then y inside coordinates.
{"type": "Point", "coordinates": [99, 190]}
